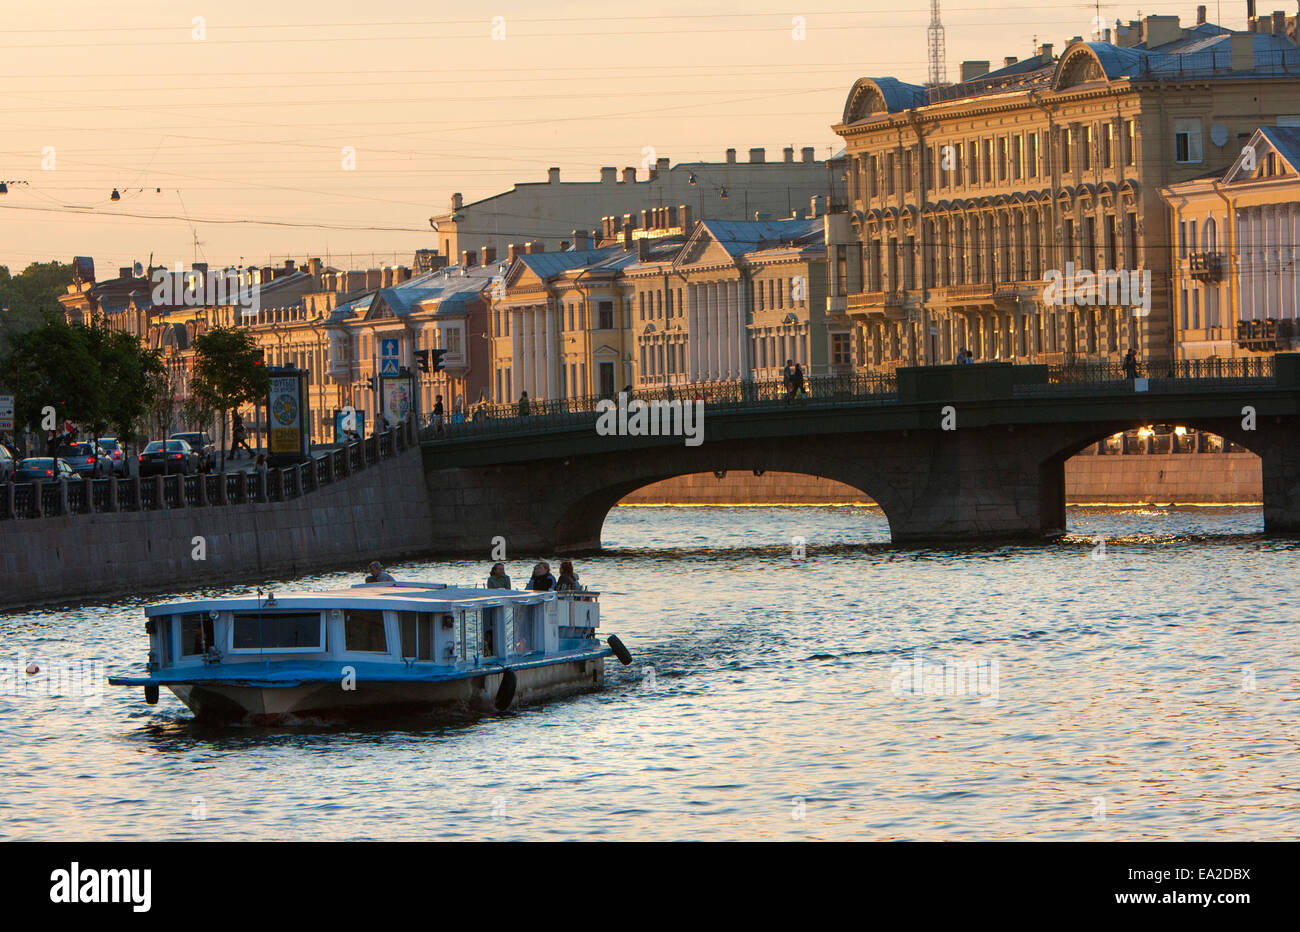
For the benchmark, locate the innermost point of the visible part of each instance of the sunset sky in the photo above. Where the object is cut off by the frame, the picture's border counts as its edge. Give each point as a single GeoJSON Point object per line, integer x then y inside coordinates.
{"type": "Point", "coordinates": [251, 121]}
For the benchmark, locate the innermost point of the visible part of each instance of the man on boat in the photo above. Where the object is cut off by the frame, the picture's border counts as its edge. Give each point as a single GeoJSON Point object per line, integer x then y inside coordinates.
{"type": "Point", "coordinates": [377, 573]}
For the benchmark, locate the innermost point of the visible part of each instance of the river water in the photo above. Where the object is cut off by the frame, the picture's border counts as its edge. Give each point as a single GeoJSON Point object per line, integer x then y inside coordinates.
{"type": "Point", "coordinates": [1135, 681]}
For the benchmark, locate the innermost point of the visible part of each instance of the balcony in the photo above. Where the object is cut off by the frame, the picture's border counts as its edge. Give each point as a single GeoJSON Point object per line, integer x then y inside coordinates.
{"type": "Point", "coordinates": [1205, 266]}
{"type": "Point", "coordinates": [888, 305]}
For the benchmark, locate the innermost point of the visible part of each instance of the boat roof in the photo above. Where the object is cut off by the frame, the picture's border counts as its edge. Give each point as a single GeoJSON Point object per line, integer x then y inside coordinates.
{"type": "Point", "coordinates": [398, 596]}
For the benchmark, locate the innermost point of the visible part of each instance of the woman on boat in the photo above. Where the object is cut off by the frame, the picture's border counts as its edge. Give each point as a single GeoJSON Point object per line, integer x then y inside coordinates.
{"type": "Point", "coordinates": [542, 580]}
{"type": "Point", "coordinates": [497, 578]}
{"type": "Point", "coordinates": [568, 578]}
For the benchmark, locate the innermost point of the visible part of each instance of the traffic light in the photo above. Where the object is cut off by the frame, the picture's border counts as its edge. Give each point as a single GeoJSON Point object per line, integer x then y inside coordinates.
{"type": "Point", "coordinates": [422, 357]}
{"type": "Point", "coordinates": [437, 359]}
{"type": "Point", "coordinates": [373, 382]}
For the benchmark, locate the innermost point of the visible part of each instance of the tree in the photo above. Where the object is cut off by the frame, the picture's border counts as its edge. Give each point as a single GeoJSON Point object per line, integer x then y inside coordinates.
{"type": "Point", "coordinates": [228, 372]}
{"type": "Point", "coordinates": [93, 376]}
{"type": "Point", "coordinates": [29, 296]}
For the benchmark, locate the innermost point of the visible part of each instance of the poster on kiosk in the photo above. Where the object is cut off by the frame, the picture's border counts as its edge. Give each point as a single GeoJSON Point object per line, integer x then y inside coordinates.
{"type": "Point", "coordinates": [398, 399]}
{"type": "Point", "coordinates": [288, 438]}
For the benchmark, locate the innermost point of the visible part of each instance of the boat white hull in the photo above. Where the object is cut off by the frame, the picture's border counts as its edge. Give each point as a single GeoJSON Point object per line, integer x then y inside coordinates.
{"type": "Point", "coordinates": [269, 705]}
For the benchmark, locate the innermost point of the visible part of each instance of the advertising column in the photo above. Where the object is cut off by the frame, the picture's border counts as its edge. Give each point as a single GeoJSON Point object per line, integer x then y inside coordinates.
{"type": "Point", "coordinates": [288, 435]}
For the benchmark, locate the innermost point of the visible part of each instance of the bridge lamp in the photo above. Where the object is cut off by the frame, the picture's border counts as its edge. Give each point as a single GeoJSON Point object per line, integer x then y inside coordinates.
{"type": "Point", "coordinates": [1180, 431]}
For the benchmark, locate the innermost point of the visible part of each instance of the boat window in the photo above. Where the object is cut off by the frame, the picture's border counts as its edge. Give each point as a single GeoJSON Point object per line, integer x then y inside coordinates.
{"type": "Point", "coordinates": [417, 634]}
{"type": "Point", "coordinates": [526, 639]}
{"type": "Point", "coordinates": [196, 633]}
{"type": "Point", "coordinates": [276, 631]}
{"type": "Point", "coordinates": [164, 640]}
{"type": "Point", "coordinates": [363, 630]}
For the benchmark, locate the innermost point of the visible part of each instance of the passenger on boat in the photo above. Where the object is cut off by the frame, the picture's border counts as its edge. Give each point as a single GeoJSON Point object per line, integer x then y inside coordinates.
{"type": "Point", "coordinates": [377, 573]}
{"type": "Point", "coordinates": [497, 578]}
{"type": "Point", "coordinates": [568, 578]}
{"type": "Point", "coordinates": [542, 580]}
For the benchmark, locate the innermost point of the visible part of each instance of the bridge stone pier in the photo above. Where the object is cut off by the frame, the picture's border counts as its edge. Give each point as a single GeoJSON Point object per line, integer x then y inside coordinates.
{"type": "Point", "coordinates": [998, 474]}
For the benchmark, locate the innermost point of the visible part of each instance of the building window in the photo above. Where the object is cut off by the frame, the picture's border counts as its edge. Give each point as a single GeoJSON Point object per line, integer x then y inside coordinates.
{"type": "Point", "coordinates": [1066, 142]}
{"type": "Point", "coordinates": [1003, 159]}
{"type": "Point", "coordinates": [1031, 154]}
{"type": "Point", "coordinates": [1129, 140]}
{"type": "Point", "coordinates": [606, 311]}
{"type": "Point", "coordinates": [907, 171]}
{"type": "Point", "coordinates": [889, 173]}
{"type": "Point", "coordinates": [973, 176]}
{"type": "Point", "coordinates": [875, 177]}
{"type": "Point", "coordinates": [1085, 149]}
{"type": "Point", "coordinates": [1108, 146]}
{"type": "Point", "coordinates": [988, 160]}
{"type": "Point", "coordinates": [1187, 140]}
{"type": "Point", "coordinates": [840, 349]}
{"type": "Point", "coordinates": [1016, 157]}
{"type": "Point", "coordinates": [452, 341]}
{"type": "Point", "coordinates": [1182, 239]}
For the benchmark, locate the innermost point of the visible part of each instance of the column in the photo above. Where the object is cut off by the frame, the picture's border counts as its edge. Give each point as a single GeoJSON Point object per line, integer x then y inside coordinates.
{"type": "Point", "coordinates": [552, 358]}
{"type": "Point", "coordinates": [692, 333]}
{"type": "Point", "coordinates": [737, 331]}
{"type": "Point", "coordinates": [516, 354]}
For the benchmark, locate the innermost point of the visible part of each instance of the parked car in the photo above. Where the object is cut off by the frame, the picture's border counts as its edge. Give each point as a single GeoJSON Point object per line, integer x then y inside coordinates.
{"type": "Point", "coordinates": [6, 464]}
{"type": "Point", "coordinates": [87, 459]}
{"type": "Point", "coordinates": [168, 457]}
{"type": "Point", "coordinates": [45, 468]}
{"type": "Point", "coordinates": [203, 446]}
{"type": "Point", "coordinates": [117, 455]}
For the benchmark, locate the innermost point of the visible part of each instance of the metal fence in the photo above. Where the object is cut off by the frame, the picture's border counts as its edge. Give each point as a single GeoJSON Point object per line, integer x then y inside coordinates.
{"type": "Point", "coordinates": [88, 496]}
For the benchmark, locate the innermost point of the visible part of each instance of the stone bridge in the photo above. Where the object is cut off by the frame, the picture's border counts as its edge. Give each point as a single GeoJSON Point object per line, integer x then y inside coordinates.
{"type": "Point", "coordinates": [951, 453]}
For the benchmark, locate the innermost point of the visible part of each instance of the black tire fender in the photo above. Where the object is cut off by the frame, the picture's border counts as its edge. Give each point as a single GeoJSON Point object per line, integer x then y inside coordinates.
{"type": "Point", "coordinates": [506, 691]}
{"type": "Point", "coordinates": [151, 694]}
{"type": "Point", "coordinates": [621, 652]}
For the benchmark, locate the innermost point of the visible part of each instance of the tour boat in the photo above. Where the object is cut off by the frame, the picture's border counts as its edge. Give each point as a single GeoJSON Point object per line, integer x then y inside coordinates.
{"type": "Point", "coordinates": [388, 648]}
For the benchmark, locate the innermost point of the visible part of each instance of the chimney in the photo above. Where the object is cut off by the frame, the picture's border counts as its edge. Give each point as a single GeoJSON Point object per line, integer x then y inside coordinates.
{"type": "Point", "coordinates": [731, 156]}
{"type": "Point", "coordinates": [788, 154]}
{"type": "Point", "coordinates": [564, 245]}
{"type": "Point", "coordinates": [512, 251]}
{"type": "Point", "coordinates": [553, 175]}
{"type": "Point", "coordinates": [1250, 13]}
{"type": "Point", "coordinates": [125, 271]}
{"type": "Point", "coordinates": [761, 215]}
{"type": "Point", "coordinates": [1160, 30]}
{"type": "Point", "coordinates": [970, 70]}
{"type": "Point", "coordinates": [684, 213]}
{"type": "Point", "coordinates": [627, 232]}
{"type": "Point", "coordinates": [642, 249]}
{"type": "Point", "coordinates": [608, 175]}
{"type": "Point", "coordinates": [1009, 61]}
{"type": "Point", "coordinates": [581, 240]}
{"type": "Point", "coordinates": [661, 165]}
{"type": "Point", "coordinates": [457, 202]}
{"type": "Point", "coordinates": [374, 279]}
{"type": "Point", "coordinates": [489, 254]}
{"type": "Point", "coordinates": [289, 265]}
{"type": "Point", "coordinates": [629, 175]}
{"type": "Point", "coordinates": [629, 220]}
{"type": "Point", "coordinates": [757, 155]}
{"type": "Point", "coordinates": [401, 274]}
{"type": "Point", "coordinates": [816, 205]}
{"type": "Point", "coordinates": [809, 154]}
{"type": "Point", "coordinates": [1045, 53]}
{"type": "Point", "coordinates": [467, 257]}
{"type": "Point", "coordinates": [1279, 23]}
{"type": "Point", "coordinates": [1242, 46]}
{"type": "Point", "coordinates": [315, 266]}
{"type": "Point", "coordinates": [1200, 15]}
{"type": "Point", "coordinates": [645, 220]}
{"type": "Point", "coordinates": [534, 246]}
{"type": "Point", "coordinates": [388, 277]}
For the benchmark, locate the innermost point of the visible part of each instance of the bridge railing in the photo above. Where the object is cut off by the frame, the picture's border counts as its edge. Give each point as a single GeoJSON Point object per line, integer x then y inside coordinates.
{"type": "Point", "coordinates": [21, 500]}
{"type": "Point", "coordinates": [735, 395]}
{"type": "Point", "coordinates": [1086, 377]}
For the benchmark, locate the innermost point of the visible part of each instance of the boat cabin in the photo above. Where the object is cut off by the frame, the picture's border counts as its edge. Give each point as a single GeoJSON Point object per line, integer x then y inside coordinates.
{"type": "Point", "coordinates": [402, 623]}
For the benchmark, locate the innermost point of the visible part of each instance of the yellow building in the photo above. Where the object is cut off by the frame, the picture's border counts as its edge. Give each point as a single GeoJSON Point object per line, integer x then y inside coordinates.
{"type": "Point", "coordinates": [1236, 239]}
{"type": "Point", "coordinates": [970, 205]}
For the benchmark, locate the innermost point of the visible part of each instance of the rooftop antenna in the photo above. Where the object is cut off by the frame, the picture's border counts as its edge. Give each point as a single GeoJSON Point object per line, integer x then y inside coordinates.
{"type": "Point", "coordinates": [938, 67]}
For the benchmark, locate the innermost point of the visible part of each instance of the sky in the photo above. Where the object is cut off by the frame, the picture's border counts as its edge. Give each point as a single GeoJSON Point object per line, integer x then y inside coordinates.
{"type": "Point", "coordinates": [242, 132]}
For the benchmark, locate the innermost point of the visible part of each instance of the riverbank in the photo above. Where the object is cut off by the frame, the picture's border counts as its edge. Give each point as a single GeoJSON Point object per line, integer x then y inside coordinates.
{"type": "Point", "coordinates": [1151, 478]}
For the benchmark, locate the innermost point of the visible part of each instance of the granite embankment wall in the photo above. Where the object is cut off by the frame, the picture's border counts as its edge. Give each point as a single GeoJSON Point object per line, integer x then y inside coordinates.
{"type": "Point", "coordinates": [380, 512]}
{"type": "Point", "coordinates": [1158, 478]}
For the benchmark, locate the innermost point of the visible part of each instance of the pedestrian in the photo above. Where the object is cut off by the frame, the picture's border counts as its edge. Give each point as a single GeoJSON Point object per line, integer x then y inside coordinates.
{"type": "Point", "coordinates": [260, 464]}
{"type": "Point", "coordinates": [799, 387]}
{"type": "Point", "coordinates": [239, 436]}
{"type": "Point", "coordinates": [377, 573]}
{"type": "Point", "coordinates": [787, 379]}
{"type": "Point", "coordinates": [523, 405]}
{"type": "Point", "coordinates": [1130, 365]}
{"type": "Point", "coordinates": [541, 580]}
{"type": "Point", "coordinates": [438, 420]}
{"type": "Point", "coordinates": [497, 578]}
{"type": "Point", "coordinates": [568, 578]}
